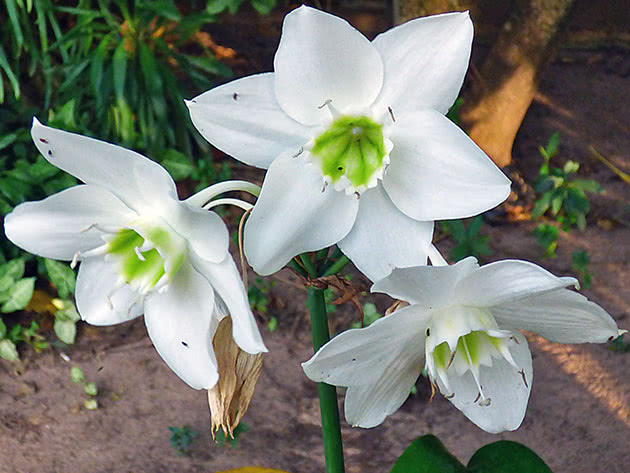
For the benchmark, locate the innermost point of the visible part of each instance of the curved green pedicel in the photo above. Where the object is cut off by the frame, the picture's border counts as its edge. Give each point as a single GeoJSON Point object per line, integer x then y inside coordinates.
{"type": "Point", "coordinates": [143, 273]}
{"type": "Point", "coordinates": [352, 146]}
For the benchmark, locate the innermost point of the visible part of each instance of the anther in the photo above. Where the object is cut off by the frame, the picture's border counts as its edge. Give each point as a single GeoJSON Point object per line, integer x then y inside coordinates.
{"type": "Point", "coordinates": [325, 104]}
{"type": "Point", "coordinates": [450, 361]}
{"type": "Point", "coordinates": [324, 186]}
{"type": "Point", "coordinates": [75, 260]}
{"type": "Point", "coordinates": [235, 96]}
{"type": "Point", "coordinates": [450, 396]}
{"type": "Point", "coordinates": [43, 140]}
{"type": "Point", "coordinates": [485, 402]}
{"type": "Point", "coordinates": [478, 396]}
{"type": "Point", "coordinates": [300, 151]}
{"type": "Point", "coordinates": [391, 114]}
{"type": "Point", "coordinates": [358, 195]}
{"type": "Point", "coordinates": [522, 373]}
{"type": "Point", "coordinates": [89, 227]}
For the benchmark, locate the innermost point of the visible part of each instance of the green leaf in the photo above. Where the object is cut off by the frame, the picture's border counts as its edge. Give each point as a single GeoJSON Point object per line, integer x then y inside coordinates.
{"type": "Point", "coordinates": [67, 311]}
{"type": "Point", "coordinates": [96, 67]}
{"type": "Point", "coordinates": [506, 456]}
{"type": "Point", "coordinates": [8, 350]}
{"type": "Point", "coordinates": [576, 202]}
{"type": "Point", "coordinates": [15, 22]}
{"type": "Point", "coordinates": [177, 164]}
{"type": "Point", "coordinates": [119, 69]}
{"type": "Point", "coordinates": [66, 331]}
{"type": "Point", "coordinates": [544, 184]}
{"type": "Point", "coordinates": [21, 294]}
{"type": "Point", "coordinates": [556, 202]}
{"type": "Point", "coordinates": [3, 328]}
{"type": "Point", "coordinates": [427, 454]}
{"type": "Point", "coordinates": [552, 145]}
{"type": "Point", "coordinates": [541, 205]}
{"type": "Point", "coordinates": [90, 404]}
{"type": "Point", "coordinates": [165, 8]}
{"type": "Point", "coordinates": [41, 169]}
{"type": "Point", "coordinates": [14, 269]}
{"type": "Point", "coordinates": [62, 276]}
{"type": "Point", "coordinates": [90, 389]}
{"type": "Point", "coordinates": [263, 6]}
{"type": "Point", "coordinates": [571, 167]}
{"type": "Point", "coordinates": [587, 185]}
{"type": "Point", "coordinates": [76, 373]}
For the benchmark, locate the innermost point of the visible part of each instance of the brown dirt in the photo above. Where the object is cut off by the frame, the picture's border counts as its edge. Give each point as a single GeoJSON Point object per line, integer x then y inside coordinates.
{"type": "Point", "coordinates": [578, 418]}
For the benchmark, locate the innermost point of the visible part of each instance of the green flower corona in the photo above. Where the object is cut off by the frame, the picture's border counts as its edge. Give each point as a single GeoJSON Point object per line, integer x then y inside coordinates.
{"type": "Point", "coordinates": [351, 153]}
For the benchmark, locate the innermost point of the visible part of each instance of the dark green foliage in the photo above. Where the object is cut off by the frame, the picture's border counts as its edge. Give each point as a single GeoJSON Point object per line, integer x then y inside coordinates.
{"type": "Point", "coordinates": [581, 261]}
{"type": "Point", "coordinates": [427, 454]}
{"type": "Point", "coordinates": [547, 237]}
{"type": "Point", "coordinates": [182, 438]}
{"type": "Point", "coordinates": [232, 442]}
{"type": "Point", "coordinates": [218, 6]}
{"type": "Point", "coordinates": [470, 241]}
{"type": "Point", "coordinates": [560, 192]}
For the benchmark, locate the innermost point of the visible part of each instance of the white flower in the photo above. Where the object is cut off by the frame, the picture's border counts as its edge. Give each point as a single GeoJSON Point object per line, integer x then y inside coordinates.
{"type": "Point", "coordinates": [462, 325]}
{"type": "Point", "coordinates": [342, 118]}
{"type": "Point", "coordinates": [141, 250]}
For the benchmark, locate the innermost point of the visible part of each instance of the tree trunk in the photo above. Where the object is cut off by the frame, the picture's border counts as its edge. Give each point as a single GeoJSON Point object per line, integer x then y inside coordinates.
{"type": "Point", "coordinates": [496, 106]}
{"type": "Point", "coordinates": [405, 10]}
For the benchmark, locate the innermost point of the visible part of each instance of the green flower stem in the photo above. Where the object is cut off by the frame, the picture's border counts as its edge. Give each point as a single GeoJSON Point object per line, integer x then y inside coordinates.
{"type": "Point", "coordinates": [309, 265]}
{"type": "Point", "coordinates": [294, 264]}
{"type": "Point", "coordinates": [336, 266]}
{"type": "Point", "coordinates": [329, 411]}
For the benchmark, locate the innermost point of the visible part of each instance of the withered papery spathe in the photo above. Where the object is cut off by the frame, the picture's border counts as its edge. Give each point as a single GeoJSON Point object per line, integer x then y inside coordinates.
{"type": "Point", "coordinates": [238, 375]}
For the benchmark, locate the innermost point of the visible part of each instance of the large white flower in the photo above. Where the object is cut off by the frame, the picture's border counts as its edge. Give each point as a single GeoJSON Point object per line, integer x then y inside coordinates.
{"type": "Point", "coordinates": [355, 140]}
{"type": "Point", "coordinates": [462, 325]}
{"type": "Point", "coordinates": [141, 250]}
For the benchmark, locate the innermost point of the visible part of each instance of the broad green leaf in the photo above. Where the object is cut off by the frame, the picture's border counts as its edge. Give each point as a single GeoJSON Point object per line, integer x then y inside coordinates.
{"type": "Point", "coordinates": [14, 269]}
{"type": "Point", "coordinates": [165, 8]}
{"type": "Point", "coordinates": [556, 202]}
{"type": "Point", "coordinates": [587, 185]}
{"type": "Point", "coordinates": [263, 6]}
{"type": "Point", "coordinates": [427, 454]}
{"type": "Point", "coordinates": [577, 202]}
{"type": "Point", "coordinates": [65, 330]}
{"type": "Point", "coordinates": [544, 184]}
{"type": "Point", "coordinates": [90, 389]}
{"type": "Point", "coordinates": [506, 456]}
{"type": "Point", "coordinates": [8, 350]}
{"type": "Point", "coordinates": [3, 328]}
{"type": "Point", "coordinates": [20, 294]}
{"type": "Point", "coordinates": [42, 169]}
{"type": "Point", "coordinates": [62, 276]}
{"type": "Point", "coordinates": [7, 140]}
{"type": "Point", "coordinates": [541, 205]}
{"type": "Point", "coordinates": [475, 226]}
{"type": "Point", "coordinates": [66, 311]}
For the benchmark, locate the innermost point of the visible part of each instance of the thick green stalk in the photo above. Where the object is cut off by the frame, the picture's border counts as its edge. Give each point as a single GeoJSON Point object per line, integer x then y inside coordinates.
{"type": "Point", "coordinates": [329, 411]}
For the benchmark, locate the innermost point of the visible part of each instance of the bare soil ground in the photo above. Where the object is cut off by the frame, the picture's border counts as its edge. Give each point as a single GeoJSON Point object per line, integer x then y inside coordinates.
{"type": "Point", "coordinates": [578, 418]}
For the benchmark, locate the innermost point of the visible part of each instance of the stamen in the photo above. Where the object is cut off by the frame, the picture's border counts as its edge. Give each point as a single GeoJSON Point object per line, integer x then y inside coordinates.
{"type": "Point", "coordinates": [333, 111]}
{"type": "Point", "coordinates": [324, 186]}
{"type": "Point", "coordinates": [227, 201]}
{"type": "Point", "coordinates": [139, 254]}
{"type": "Point", "coordinates": [98, 251]}
{"type": "Point", "coordinates": [473, 369]}
{"type": "Point", "coordinates": [204, 196]}
{"type": "Point", "coordinates": [75, 260]}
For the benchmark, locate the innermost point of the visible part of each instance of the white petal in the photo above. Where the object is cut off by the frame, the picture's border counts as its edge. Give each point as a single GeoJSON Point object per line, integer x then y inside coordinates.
{"type": "Point", "coordinates": [429, 286]}
{"type": "Point", "coordinates": [62, 224]}
{"type": "Point", "coordinates": [383, 238]}
{"type": "Point", "coordinates": [99, 300]}
{"type": "Point", "coordinates": [140, 183]}
{"type": "Point", "coordinates": [368, 406]}
{"type": "Point", "coordinates": [425, 62]}
{"type": "Point", "coordinates": [437, 172]}
{"type": "Point", "coordinates": [293, 215]}
{"type": "Point", "coordinates": [507, 281]}
{"type": "Point", "coordinates": [243, 119]}
{"type": "Point", "coordinates": [358, 357]}
{"type": "Point", "coordinates": [226, 281]}
{"type": "Point", "coordinates": [181, 325]}
{"type": "Point", "coordinates": [505, 387]}
{"type": "Point", "coordinates": [560, 315]}
{"type": "Point", "coordinates": [321, 57]}
{"type": "Point", "coordinates": [205, 231]}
